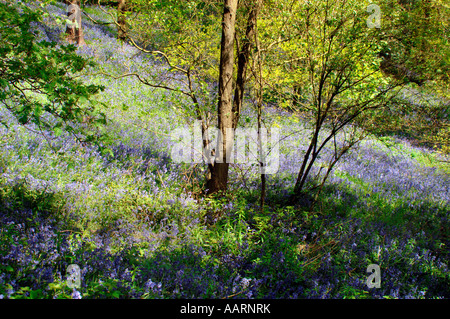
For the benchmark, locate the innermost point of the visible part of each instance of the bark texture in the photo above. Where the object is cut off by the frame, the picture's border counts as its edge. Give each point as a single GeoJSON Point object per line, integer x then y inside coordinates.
{"type": "Point", "coordinates": [219, 170]}
{"type": "Point", "coordinates": [121, 20]}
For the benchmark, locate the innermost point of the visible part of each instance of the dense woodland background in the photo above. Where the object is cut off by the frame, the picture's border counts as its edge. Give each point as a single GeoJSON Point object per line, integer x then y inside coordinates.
{"type": "Point", "coordinates": [92, 91]}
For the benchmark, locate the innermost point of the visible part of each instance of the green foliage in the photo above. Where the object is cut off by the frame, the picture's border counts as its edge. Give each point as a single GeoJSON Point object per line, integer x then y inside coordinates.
{"type": "Point", "coordinates": [283, 246]}
{"type": "Point", "coordinates": [443, 140]}
{"type": "Point", "coordinates": [416, 38]}
{"type": "Point", "coordinates": [187, 34]}
{"type": "Point", "coordinates": [20, 195]}
{"type": "Point", "coordinates": [39, 84]}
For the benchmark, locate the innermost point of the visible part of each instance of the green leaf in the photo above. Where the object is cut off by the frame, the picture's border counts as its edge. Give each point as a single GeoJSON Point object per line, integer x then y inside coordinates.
{"type": "Point", "coordinates": [34, 294]}
{"type": "Point", "coordinates": [116, 294]}
{"type": "Point", "coordinates": [57, 130]}
{"type": "Point", "coordinates": [125, 107]}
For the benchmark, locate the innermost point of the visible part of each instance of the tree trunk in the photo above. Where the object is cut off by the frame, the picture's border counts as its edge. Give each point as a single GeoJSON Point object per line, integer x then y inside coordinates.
{"type": "Point", "coordinates": [219, 171]}
{"type": "Point", "coordinates": [74, 33]}
{"type": "Point", "coordinates": [121, 20]}
{"type": "Point", "coordinates": [243, 58]}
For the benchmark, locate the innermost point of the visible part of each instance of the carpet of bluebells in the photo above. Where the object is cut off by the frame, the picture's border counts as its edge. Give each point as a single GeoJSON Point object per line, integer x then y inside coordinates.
{"type": "Point", "coordinates": [133, 224]}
